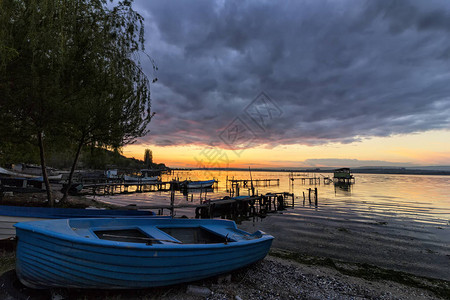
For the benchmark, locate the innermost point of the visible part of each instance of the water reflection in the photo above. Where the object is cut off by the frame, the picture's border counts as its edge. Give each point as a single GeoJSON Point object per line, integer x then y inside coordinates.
{"type": "Point", "coordinates": [414, 197]}
{"type": "Point", "coordinates": [344, 187]}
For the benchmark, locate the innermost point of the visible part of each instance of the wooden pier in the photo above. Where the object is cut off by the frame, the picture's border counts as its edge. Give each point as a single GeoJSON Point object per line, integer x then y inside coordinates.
{"type": "Point", "coordinates": [311, 180]}
{"type": "Point", "coordinates": [314, 194]}
{"type": "Point", "coordinates": [304, 179]}
{"type": "Point", "coordinates": [243, 206]}
{"type": "Point", "coordinates": [347, 181]}
{"type": "Point", "coordinates": [111, 188]}
{"type": "Point", "coordinates": [249, 184]}
{"type": "Point", "coordinates": [230, 208]}
{"type": "Point", "coordinates": [245, 183]}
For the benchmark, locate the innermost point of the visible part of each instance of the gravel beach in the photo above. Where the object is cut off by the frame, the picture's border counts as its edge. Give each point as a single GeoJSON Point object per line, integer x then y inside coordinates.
{"type": "Point", "coordinates": [272, 278]}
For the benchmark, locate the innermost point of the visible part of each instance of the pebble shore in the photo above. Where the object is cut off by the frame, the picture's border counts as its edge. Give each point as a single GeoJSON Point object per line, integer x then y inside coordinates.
{"type": "Point", "coordinates": [276, 278]}
{"type": "Point", "coordinates": [272, 278]}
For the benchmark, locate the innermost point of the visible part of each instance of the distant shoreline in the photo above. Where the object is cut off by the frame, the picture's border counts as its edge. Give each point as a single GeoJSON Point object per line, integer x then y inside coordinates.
{"type": "Point", "coordinates": [386, 171]}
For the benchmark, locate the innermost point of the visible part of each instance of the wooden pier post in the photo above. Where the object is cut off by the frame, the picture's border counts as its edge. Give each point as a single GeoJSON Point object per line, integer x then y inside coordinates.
{"type": "Point", "coordinates": [293, 200]}
{"type": "Point", "coordinates": [315, 194]}
{"type": "Point", "coordinates": [172, 201]}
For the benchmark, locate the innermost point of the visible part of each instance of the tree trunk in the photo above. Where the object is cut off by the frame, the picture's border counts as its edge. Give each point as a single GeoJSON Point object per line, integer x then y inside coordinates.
{"type": "Point", "coordinates": [72, 170]}
{"type": "Point", "coordinates": [51, 201]}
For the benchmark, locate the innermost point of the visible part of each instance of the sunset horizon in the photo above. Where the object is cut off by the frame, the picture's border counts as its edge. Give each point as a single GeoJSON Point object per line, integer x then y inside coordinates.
{"type": "Point", "coordinates": [413, 150]}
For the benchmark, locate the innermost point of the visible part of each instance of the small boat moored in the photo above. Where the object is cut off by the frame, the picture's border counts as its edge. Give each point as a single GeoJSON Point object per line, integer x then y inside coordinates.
{"type": "Point", "coordinates": [200, 184]}
{"type": "Point", "coordinates": [140, 179]}
{"type": "Point", "coordinates": [132, 252]}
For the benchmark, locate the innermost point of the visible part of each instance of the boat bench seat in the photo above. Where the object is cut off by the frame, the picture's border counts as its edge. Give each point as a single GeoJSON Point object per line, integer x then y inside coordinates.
{"type": "Point", "coordinates": [153, 233]}
{"type": "Point", "coordinates": [158, 234]}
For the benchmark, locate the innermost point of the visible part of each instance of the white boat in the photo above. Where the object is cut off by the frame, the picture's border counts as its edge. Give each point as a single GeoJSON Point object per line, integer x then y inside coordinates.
{"type": "Point", "coordinates": [28, 176]}
{"type": "Point", "coordinates": [50, 177]}
{"type": "Point", "coordinates": [139, 179]}
{"type": "Point", "coordinates": [200, 184]}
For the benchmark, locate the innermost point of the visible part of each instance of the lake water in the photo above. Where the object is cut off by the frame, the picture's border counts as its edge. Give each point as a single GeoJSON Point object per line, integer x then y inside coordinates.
{"type": "Point", "coordinates": [394, 221]}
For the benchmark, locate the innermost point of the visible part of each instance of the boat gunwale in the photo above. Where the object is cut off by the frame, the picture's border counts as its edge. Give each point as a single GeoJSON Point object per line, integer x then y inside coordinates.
{"type": "Point", "coordinates": [76, 238]}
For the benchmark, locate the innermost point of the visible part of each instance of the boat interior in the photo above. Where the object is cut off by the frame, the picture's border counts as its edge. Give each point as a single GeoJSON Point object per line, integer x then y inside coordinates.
{"type": "Point", "coordinates": [195, 235]}
{"type": "Point", "coordinates": [177, 235]}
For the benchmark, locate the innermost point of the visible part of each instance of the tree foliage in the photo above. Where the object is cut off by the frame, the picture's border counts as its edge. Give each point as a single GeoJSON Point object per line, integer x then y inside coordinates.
{"type": "Point", "coordinates": [148, 158]}
{"type": "Point", "coordinates": [70, 73]}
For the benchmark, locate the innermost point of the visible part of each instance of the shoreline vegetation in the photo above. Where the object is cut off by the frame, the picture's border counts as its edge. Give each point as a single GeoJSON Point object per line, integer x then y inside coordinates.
{"type": "Point", "coordinates": [283, 274]}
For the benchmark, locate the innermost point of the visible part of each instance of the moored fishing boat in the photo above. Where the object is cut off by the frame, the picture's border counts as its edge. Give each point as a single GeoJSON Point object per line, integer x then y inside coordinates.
{"type": "Point", "coordinates": [132, 252]}
{"type": "Point", "coordinates": [10, 215]}
{"type": "Point", "coordinates": [200, 184]}
{"type": "Point", "coordinates": [140, 179]}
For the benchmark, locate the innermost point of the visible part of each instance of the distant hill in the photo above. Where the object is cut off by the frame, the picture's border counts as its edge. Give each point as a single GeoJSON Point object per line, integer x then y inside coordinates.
{"type": "Point", "coordinates": [100, 159]}
{"type": "Point", "coordinates": [433, 168]}
{"type": "Point", "coordinates": [410, 171]}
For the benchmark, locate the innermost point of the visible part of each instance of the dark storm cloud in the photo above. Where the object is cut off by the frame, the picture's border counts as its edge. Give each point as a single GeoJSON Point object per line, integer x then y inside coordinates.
{"type": "Point", "coordinates": [340, 71]}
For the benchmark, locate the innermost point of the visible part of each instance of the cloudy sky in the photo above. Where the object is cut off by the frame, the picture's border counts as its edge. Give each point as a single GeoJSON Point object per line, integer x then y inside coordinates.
{"type": "Point", "coordinates": [298, 83]}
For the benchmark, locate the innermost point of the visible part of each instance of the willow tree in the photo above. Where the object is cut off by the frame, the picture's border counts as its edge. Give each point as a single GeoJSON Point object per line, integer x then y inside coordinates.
{"type": "Point", "coordinates": [85, 84]}
{"type": "Point", "coordinates": [30, 64]}
{"type": "Point", "coordinates": [108, 91]}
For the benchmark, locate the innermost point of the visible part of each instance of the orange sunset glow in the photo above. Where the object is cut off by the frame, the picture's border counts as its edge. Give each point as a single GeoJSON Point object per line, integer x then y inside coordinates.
{"type": "Point", "coordinates": [429, 148]}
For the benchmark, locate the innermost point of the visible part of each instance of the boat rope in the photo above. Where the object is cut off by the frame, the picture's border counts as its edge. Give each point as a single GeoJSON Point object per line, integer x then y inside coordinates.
{"type": "Point", "coordinates": [140, 238]}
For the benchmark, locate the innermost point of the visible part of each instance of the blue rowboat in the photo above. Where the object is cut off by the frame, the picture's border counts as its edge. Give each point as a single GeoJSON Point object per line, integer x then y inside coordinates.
{"type": "Point", "coordinates": [200, 184]}
{"type": "Point", "coordinates": [10, 215]}
{"type": "Point", "coordinates": [131, 252]}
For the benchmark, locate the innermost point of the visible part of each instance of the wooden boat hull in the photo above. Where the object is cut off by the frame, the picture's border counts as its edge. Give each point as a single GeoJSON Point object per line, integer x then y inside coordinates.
{"type": "Point", "coordinates": [10, 215]}
{"type": "Point", "coordinates": [80, 260]}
